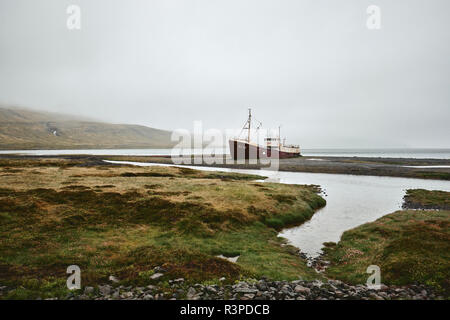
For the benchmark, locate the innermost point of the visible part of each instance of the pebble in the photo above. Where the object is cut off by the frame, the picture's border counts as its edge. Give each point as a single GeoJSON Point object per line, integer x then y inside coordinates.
{"type": "Point", "coordinates": [104, 290]}
{"type": "Point", "coordinates": [301, 289]}
{"type": "Point", "coordinates": [257, 290]}
{"type": "Point", "coordinates": [156, 276]}
{"type": "Point", "coordinates": [191, 293]}
{"type": "Point", "coordinates": [88, 290]}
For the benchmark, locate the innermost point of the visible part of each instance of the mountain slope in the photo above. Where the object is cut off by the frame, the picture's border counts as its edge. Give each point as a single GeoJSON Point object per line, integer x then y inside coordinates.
{"type": "Point", "coordinates": [27, 129]}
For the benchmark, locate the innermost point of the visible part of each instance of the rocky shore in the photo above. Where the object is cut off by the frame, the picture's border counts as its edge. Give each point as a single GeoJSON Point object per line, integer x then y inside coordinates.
{"type": "Point", "coordinates": [251, 290]}
{"type": "Point", "coordinates": [426, 199]}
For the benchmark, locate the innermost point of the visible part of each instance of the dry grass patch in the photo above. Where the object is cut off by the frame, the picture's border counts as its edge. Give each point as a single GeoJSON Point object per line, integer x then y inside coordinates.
{"type": "Point", "coordinates": [110, 223]}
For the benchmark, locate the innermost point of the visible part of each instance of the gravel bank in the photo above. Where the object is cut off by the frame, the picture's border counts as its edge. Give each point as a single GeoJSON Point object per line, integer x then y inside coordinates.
{"type": "Point", "coordinates": [253, 290]}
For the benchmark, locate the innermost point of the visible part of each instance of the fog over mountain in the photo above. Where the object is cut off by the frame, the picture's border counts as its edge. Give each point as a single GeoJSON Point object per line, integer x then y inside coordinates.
{"type": "Point", "coordinates": [312, 66]}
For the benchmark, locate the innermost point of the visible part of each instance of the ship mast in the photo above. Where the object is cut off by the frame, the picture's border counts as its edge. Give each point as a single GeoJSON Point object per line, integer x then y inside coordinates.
{"type": "Point", "coordinates": [249, 121]}
{"type": "Point", "coordinates": [279, 137]}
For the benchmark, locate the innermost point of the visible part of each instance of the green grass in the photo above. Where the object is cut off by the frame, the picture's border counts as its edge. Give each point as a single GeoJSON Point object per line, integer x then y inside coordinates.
{"type": "Point", "coordinates": [408, 246]}
{"type": "Point", "coordinates": [111, 223]}
{"type": "Point", "coordinates": [433, 175]}
{"type": "Point", "coordinates": [426, 199]}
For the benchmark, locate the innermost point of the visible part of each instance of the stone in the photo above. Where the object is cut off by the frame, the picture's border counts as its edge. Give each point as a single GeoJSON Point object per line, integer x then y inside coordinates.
{"type": "Point", "coordinates": [159, 269]}
{"type": "Point", "coordinates": [191, 293]}
{"type": "Point", "coordinates": [113, 279]}
{"type": "Point", "coordinates": [286, 288]}
{"type": "Point", "coordinates": [339, 294]}
{"type": "Point", "coordinates": [104, 290]}
{"type": "Point", "coordinates": [291, 294]}
{"type": "Point", "coordinates": [88, 290]}
{"type": "Point", "coordinates": [335, 282]}
{"type": "Point", "coordinates": [127, 295]}
{"type": "Point", "coordinates": [70, 295]}
{"type": "Point", "coordinates": [317, 283]}
{"type": "Point", "coordinates": [156, 276]}
{"type": "Point", "coordinates": [383, 287]}
{"type": "Point", "coordinates": [256, 290]}
{"type": "Point", "coordinates": [375, 296]}
{"type": "Point", "coordinates": [211, 289]}
{"type": "Point", "coordinates": [302, 289]}
{"type": "Point", "coordinates": [245, 290]}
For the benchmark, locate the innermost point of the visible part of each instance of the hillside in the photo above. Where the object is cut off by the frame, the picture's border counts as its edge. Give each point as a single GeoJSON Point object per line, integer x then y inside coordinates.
{"type": "Point", "coordinates": [28, 129]}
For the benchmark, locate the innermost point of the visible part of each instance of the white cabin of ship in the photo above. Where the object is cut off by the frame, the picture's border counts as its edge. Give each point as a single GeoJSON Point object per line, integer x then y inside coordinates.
{"type": "Point", "coordinates": [290, 149]}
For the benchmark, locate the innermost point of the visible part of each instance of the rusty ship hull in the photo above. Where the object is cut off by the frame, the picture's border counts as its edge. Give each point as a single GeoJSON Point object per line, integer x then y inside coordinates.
{"type": "Point", "coordinates": [244, 150]}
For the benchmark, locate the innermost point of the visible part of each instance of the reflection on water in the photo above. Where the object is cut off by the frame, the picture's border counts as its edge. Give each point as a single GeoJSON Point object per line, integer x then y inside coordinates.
{"type": "Point", "coordinates": [351, 201]}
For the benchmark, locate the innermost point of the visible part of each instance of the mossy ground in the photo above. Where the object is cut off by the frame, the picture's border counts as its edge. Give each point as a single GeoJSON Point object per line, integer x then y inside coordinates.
{"type": "Point", "coordinates": [426, 199]}
{"type": "Point", "coordinates": [410, 246]}
{"type": "Point", "coordinates": [124, 221]}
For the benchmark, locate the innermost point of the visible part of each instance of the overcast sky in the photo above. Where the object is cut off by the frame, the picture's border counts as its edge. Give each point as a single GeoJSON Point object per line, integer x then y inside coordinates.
{"type": "Point", "coordinates": [312, 66]}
